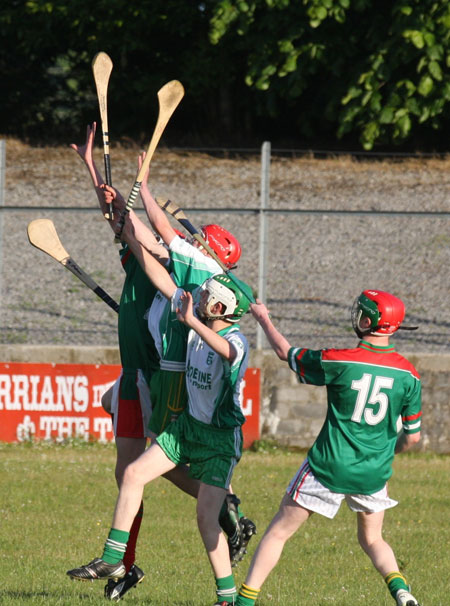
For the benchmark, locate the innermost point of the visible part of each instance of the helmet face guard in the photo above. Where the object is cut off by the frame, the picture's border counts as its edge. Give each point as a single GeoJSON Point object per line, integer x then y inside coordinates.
{"type": "Point", "coordinates": [385, 312]}
{"type": "Point", "coordinates": [221, 289]}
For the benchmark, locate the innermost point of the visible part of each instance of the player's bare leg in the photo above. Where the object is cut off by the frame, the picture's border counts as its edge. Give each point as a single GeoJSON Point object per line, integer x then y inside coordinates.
{"type": "Point", "coordinates": [209, 502]}
{"type": "Point", "coordinates": [370, 527]}
{"type": "Point", "coordinates": [107, 400]}
{"type": "Point", "coordinates": [152, 464]}
{"type": "Point", "coordinates": [128, 450]}
{"type": "Point", "coordinates": [285, 523]}
{"type": "Point", "coordinates": [180, 478]}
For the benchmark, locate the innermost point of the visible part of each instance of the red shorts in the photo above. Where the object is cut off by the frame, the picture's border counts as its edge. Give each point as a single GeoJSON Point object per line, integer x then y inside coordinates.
{"type": "Point", "coordinates": [130, 405]}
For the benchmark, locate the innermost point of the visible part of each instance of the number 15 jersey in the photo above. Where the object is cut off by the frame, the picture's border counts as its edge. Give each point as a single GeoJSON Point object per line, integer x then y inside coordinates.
{"type": "Point", "coordinates": [368, 388]}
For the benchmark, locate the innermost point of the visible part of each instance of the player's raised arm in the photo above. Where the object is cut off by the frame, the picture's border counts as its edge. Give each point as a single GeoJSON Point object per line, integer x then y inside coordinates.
{"type": "Point", "coordinates": [278, 343]}
{"type": "Point", "coordinates": [85, 153]}
{"type": "Point", "coordinates": [155, 214]}
{"type": "Point", "coordinates": [141, 232]}
{"type": "Point", "coordinates": [154, 270]}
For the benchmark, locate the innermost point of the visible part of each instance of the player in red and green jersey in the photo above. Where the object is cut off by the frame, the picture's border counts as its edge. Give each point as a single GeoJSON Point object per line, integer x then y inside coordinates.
{"type": "Point", "coordinates": [128, 400]}
{"type": "Point", "coordinates": [368, 388]}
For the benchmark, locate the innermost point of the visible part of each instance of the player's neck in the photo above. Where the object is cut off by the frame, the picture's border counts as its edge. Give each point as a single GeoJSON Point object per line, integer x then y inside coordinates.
{"type": "Point", "coordinates": [217, 325]}
{"type": "Point", "coordinates": [374, 340]}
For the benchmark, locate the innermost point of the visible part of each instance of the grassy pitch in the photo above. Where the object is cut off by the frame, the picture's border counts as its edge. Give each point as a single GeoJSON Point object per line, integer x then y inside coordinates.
{"type": "Point", "coordinates": [56, 504]}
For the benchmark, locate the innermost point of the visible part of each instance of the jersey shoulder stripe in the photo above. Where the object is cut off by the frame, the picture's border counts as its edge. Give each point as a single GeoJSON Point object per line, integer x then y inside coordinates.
{"type": "Point", "coordinates": [382, 358]}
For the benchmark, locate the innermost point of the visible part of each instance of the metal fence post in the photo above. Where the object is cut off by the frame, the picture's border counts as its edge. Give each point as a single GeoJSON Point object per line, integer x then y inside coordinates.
{"type": "Point", "coordinates": [263, 233]}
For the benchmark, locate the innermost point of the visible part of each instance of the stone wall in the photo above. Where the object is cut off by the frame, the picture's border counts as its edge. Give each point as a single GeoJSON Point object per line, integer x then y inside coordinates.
{"type": "Point", "coordinates": [291, 413]}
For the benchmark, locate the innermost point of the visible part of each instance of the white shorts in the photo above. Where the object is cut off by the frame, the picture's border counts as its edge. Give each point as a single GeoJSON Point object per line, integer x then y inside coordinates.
{"type": "Point", "coordinates": [131, 415]}
{"type": "Point", "coordinates": [306, 490]}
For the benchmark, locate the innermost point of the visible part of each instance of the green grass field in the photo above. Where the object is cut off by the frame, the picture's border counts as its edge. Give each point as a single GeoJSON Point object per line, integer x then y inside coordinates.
{"type": "Point", "coordinates": [56, 504]}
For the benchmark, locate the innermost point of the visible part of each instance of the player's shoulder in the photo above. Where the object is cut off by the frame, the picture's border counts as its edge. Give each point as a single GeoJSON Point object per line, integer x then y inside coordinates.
{"type": "Point", "coordinates": [403, 363]}
{"type": "Point", "coordinates": [234, 335]}
{"type": "Point", "coordinates": [339, 355]}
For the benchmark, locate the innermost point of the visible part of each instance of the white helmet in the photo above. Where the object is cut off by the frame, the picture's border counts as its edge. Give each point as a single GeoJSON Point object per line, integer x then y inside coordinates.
{"type": "Point", "coordinates": [221, 289]}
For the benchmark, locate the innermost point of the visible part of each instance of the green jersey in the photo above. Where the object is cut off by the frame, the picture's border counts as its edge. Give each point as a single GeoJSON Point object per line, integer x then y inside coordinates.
{"type": "Point", "coordinates": [137, 348]}
{"type": "Point", "coordinates": [368, 388]}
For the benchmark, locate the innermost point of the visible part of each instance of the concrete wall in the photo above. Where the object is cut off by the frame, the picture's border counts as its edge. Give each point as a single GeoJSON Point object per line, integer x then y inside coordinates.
{"type": "Point", "coordinates": [291, 413]}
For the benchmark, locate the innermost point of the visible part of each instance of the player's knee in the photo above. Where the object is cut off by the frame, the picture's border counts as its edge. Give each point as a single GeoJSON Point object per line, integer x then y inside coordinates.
{"type": "Point", "coordinates": [131, 475]}
{"type": "Point", "coordinates": [106, 401]}
{"type": "Point", "coordinates": [206, 520]}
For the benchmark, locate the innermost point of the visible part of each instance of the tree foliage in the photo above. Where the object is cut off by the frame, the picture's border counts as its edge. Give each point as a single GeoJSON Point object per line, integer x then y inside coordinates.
{"type": "Point", "coordinates": [380, 69]}
{"type": "Point", "coordinates": [299, 70]}
{"type": "Point", "coordinates": [45, 65]}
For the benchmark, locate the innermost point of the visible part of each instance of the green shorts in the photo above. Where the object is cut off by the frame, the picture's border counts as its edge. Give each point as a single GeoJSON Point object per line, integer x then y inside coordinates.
{"type": "Point", "coordinates": [212, 453]}
{"type": "Point", "coordinates": [168, 396]}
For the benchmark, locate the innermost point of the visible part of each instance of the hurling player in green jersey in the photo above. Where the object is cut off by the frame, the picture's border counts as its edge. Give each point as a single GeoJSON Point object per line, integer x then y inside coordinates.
{"type": "Point", "coordinates": [207, 435]}
{"type": "Point", "coordinates": [368, 388]}
{"type": "Point", "coordinates": [128, 400]}
{"type": "Point", "coordinates": [189, 266]}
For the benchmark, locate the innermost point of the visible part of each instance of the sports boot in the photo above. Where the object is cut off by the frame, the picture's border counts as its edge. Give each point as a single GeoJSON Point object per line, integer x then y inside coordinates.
{"type": "Point", "coordinates": [98, 569]}
{"type": "Point", "coordinates": [115, 590]}
{"type": "Point", "coordinates": [248, 529]}
{"type": "Point", "coordinates": [229, 523]}
{"type": "Point", "coordinates": [404, 598]}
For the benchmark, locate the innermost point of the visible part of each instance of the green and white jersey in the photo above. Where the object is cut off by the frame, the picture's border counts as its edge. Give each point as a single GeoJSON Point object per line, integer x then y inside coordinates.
{"type": "Point", "coordinates": [169, 334]}
{"type": "Point", "coordinates": [214, 385]}
{"type": "Point", "coordinates": [189, 268]}
{"type": "Point", "coordinates": [368, 388]}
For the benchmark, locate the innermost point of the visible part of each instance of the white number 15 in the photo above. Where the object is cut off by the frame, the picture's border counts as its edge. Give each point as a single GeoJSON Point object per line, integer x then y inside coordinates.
{"type": "Point", "coordinates": [362, 386]}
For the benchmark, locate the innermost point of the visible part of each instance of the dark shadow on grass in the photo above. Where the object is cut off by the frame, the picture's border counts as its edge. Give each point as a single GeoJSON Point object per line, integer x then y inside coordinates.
{"type": "Point", "coordinates": [23, 595]}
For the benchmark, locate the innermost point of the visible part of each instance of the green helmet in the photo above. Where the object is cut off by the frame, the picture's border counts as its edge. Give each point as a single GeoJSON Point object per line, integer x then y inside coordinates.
{"type": "Point", "coordinates": [223, 289]}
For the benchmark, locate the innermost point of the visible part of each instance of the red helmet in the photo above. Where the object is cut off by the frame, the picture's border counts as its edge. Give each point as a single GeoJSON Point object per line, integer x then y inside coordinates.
{"type": "Point", "coordinates": [224, 244]}
{"type": "Point", "coordinates": [385, 311]}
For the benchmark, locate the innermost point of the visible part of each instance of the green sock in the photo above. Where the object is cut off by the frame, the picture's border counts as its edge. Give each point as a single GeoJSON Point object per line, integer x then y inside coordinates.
{"type": "Point", "coordinates": [226, 589]}
{"type": "Point", "coordinates": [115, 546]}
{"type": "Point", "coordinates": [395, 581]}
{"type": "Point", "coordinates": [247, 595]}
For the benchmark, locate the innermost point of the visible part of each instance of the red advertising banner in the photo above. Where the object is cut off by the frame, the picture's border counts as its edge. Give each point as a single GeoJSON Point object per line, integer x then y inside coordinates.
{"type": "Point", "coordinates": [60, 401]}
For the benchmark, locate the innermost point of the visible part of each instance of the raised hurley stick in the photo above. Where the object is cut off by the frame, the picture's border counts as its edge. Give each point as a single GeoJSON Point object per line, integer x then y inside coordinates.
{"type": "Point", "coordinates": [42, 234]}
{"type": "Point", "coordinates": [178, 214]}
{"type": "Point", "coordinates": [101, 68]}
{"type": "Point", "coordinates": [169, 96]}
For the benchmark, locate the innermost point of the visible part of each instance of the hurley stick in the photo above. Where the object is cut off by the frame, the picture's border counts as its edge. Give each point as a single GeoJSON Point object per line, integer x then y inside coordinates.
{"type": "Point", "coordinates": [178, 214]}
{"type": "Point", "coordinates": [101, 68]}
{"type": "Point", "coordinates": [169, 96]}
{"type": "Point", "coordinates": [42, 234]}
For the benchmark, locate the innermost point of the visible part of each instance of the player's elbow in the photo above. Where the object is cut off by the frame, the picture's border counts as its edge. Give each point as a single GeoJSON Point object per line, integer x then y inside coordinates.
{"type": "Point", "coordinates": [282, 353]}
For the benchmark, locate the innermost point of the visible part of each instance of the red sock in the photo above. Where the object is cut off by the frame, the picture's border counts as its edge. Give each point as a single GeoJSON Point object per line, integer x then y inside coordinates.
{"type": "Point", "coordinates": [130, 554]}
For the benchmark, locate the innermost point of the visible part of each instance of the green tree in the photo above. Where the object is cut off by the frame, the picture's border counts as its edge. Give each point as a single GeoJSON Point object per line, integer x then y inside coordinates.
{"type": "Point", "coordinates": [45, 66]}
{"type": "Point", "coordinates": [376, 68]}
